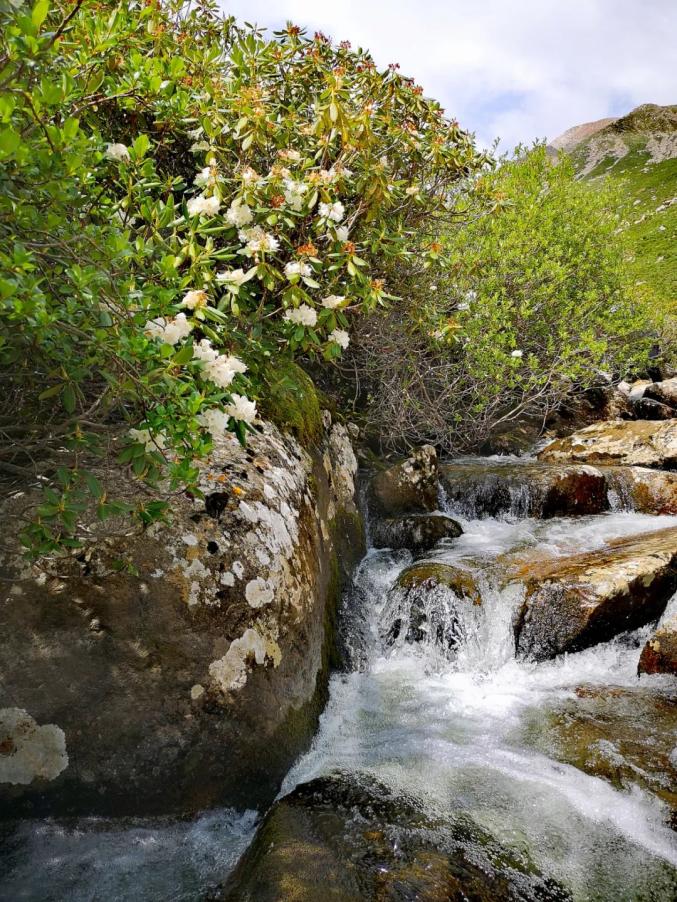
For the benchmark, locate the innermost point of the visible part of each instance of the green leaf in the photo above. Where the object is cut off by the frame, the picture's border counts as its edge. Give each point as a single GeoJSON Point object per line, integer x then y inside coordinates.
{"type": "Point", "coordinates": [185, 355]}
{"type": "Point", "coordinates": [68, 398]}
{"type": "Point", "coordinates": [39, 13]}
{"type": "Point", "coordinates": [10, 141]}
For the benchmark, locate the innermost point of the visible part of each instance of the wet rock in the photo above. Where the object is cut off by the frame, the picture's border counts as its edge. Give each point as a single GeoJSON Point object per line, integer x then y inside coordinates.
{"type": "Point", "coordinates": [344, 838]}
{"type": "Point", "coordinates": [524, 489]}
{"type": "Point", "coordinates": [572, 603]}
{"type": "Point", "coordinates": [410, 486]}
{"type": "Point", "coordinates": [184, 666]}
{"type": "Point", "coordinates": [642, 490]}
{"type": "Point", "coordinates": [430, 604]}
{"type": "Point", "coordinates": [625, 736]}
{"type": "Point", "coordinates": [659, 655]}
{"type": "Point", "coordinates": [640, 442]}
{"type": "Point", "coordinates": [418, 532]}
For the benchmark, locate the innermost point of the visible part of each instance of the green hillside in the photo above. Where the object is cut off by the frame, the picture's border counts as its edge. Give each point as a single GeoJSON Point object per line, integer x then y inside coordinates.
{"type": "Point", "coordinates": [638, 152]}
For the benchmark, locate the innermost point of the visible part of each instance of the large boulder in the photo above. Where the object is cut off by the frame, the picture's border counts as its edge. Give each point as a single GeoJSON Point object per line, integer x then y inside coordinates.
{"type": "Point", "coordinates": [523, 489]}
{"type": "Point", "coordinates": [659, 655]}
{"type": "Point", "coordinates": [637, 442]}
{"type": "Point", "coordinates": [184, 666]}
{"type": "Point", "coordinates": [408, 487]}
{"type": "Point", "coordinates": [347, 837]}
{"type": "Point", "coordinates": [418, 532]}
{"type": "Point", "coordinates": [572, 603]}
{"type": "Point", "coordinates": [431, 604]}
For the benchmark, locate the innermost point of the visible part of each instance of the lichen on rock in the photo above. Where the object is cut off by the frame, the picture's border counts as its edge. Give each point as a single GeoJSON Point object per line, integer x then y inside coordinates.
{"type": "Point", "coordinates": [29, 751]}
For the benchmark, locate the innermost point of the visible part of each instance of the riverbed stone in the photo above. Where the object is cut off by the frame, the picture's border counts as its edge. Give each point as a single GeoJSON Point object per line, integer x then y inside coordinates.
{"type": "Point", "coordinates": [524, 489]}
{"type": "Point", "coordinates": [574, 602]}
{"type": "Point", "coordinates": [642, 489]}
{"type": "Point", "coordinates": [431, 604]}
{"type": "Point", "coordinates": [636, 442]}
{"type": "Point", "coordinates": [625, 736]}
{"type": "Point", "coordinates": [408, 487]}
{"type": "Point", "coordinates": [348, 837]}
{"type": "Point", "coordinates": [418, 532]}
{"type": "Point", "coordinates": [659, 655]}
{"type": "Point", "coordinates": [664, 392]}
{"type": "Point", "coordinates": [184, 666]}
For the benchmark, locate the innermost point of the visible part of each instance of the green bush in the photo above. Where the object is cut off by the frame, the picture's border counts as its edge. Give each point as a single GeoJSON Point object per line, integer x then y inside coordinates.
{"type": "Point", "coordinates": [536, 301]}
{"type": "Point", "coordinates": [184, 203]}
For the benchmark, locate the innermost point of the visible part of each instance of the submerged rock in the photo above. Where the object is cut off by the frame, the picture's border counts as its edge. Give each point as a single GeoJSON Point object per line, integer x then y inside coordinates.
{"type": "Point", "coordinates": [430, 604]}
{"type": "Point", "coordinates": [409, 487]}
{"type": "Point", "coordinates": [574, 602]}
{"type": "Point", "coordinates": [418, 532]}
{"type": "Point", "coordinates": [635, 442]}
{"type": "Point", "coordinates": [347, 837]}
{"type": "Point", "coordinates": [625, 736]}
{"type": "Point", "coordinates": [659, 655]}
{"type": "Point", "coordinates": [183, 666]}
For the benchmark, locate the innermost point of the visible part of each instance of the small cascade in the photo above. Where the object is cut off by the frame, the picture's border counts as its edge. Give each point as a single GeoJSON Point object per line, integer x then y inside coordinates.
{"type": "Point", "coordinates": [439, 708]}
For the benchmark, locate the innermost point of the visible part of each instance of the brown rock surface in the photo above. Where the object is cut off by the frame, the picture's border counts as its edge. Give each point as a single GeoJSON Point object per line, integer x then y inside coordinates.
{"type": "Point", "coordinates": [409, 487]}
{"type": "Point", "coordinates": [574, 602]}
{"type": "Point", "coordinates": [636, 442]}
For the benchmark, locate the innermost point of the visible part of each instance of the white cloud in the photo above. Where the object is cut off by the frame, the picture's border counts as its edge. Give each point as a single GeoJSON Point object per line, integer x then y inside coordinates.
{"type": "Point", "coordinates": [519, 70]}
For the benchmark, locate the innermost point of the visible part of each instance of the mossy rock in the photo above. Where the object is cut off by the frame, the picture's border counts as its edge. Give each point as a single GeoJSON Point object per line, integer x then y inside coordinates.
{"type": "Point", "coordinates": [292, 402]}
{"type": "Point", "coordinates": [429, 574]}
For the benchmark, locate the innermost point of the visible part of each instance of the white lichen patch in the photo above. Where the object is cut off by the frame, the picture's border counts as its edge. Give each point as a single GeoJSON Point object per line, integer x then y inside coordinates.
{"type": "Point", "coordinates": [259, 592]}
{"type": "Point", "coordinates": [29, 751]}
{"type": "Point", "coordinates": [237, 569]}
{"type": "Point", "coordinates": [230, 672]}
{"type": "Point", "coordinates": [197, 691]}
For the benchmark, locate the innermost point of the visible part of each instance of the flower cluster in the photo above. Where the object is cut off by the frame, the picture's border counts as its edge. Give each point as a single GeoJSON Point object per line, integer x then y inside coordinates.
{"type": "Point", "coordinates": [220, 369]}
{"type": "Point", "coordinates": [169, 331]}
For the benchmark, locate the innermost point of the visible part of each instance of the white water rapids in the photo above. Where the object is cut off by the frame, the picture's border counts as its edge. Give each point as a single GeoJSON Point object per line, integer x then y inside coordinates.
{"type": "Point", "coordinates": [475, 733]}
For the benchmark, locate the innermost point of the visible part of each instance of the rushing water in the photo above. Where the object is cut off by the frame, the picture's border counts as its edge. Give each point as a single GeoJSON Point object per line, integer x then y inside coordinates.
{"type": "Point", "coordinates": [474, 732]}
{"type": "Point", "coordinates": [466, 733]}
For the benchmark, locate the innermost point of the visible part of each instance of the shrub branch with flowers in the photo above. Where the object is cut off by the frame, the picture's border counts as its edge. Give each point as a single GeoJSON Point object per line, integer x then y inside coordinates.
{"type": "Point", "coordinates": [184, 204]}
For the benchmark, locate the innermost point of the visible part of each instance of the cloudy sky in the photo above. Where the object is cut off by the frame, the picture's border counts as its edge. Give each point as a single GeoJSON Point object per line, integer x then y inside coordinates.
{"type": "Point", "coordinates": [514, 69]}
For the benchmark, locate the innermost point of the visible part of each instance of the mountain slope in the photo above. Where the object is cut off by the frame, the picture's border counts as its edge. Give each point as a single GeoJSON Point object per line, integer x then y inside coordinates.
{"type": "Point", "coordinates": [638, 152]}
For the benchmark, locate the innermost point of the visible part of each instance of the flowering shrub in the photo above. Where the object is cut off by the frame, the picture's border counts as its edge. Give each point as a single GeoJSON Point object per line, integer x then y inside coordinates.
{"type": "Point", "coordinates": [184, 202]}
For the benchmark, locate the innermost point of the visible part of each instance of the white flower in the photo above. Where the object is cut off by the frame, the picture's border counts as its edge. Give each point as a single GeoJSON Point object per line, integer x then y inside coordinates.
{"type": "Point", "coordinates": [342, 233]}
{"type": "Point", "coordinates": [517, 354]}
{"type": "Point", "coordinates": [293, 193]}
{"type": "Point", "coordinates": [150, 441]}
{"type": "Point", "coordinates": [340, 337]}
{"type": "Point", "coordinates": [239, 214]}
{"type": "Point", "coordinates": [463, 306]}
{"type": "Point", "coordinates": [241, 408]}
{"type": "Point", "coordinates": [171, 331]}
{"type": "Point", "coordinates": [292, 155]}
{"type": "Point", "coordinates": [333, 301]}
{"type": "Point", "coordinates": [326, 176]}
{"type": "Point", "coordinates": [222, 370]}
{"type": "Point", "coordinates": [301, 316]}
{"type": "Point", "coordinates": [207, 177]}
{"type": "Point", "coordinates": [203, 206]}
{"type": "Point", "coordinates": [294, 268]}
{"type": "Point", "coordinates": [117, 152]}
{"type": "Point", "coordinates": [433, 287]}
{"type": "Point", "coordinates": [257, 240]}
{"type": "Point", "coordinates": [194, 299]}
{"type": "Point", "coordinates": [203, 350]}
{"type": "Point", "coordinates": [334, 211]}
{"type": "Point", "coordinates": [234, 279]}
{"type": "Point", "coordinates": [215, 421]}
{"type": "Point", "coordinates": [249, 175]}
{"type": "Point", "coordinates": [412, 189]}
